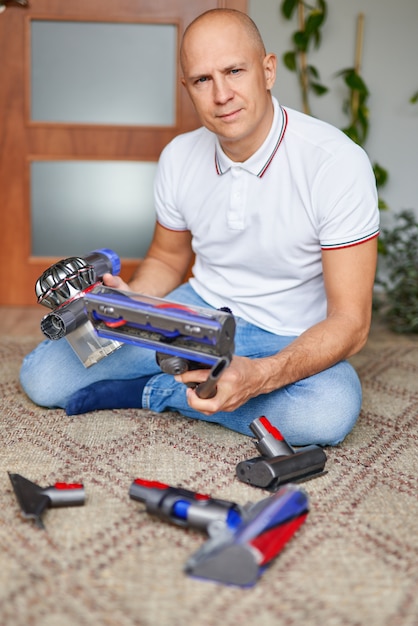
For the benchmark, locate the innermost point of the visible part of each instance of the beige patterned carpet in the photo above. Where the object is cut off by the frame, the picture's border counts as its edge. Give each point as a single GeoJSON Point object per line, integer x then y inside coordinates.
{"type": "Point", "coordinates": [353, 563]}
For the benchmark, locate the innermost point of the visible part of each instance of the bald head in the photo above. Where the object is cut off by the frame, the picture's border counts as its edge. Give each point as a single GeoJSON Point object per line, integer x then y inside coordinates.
{"type": "Point", "coordinates": [222, 18]}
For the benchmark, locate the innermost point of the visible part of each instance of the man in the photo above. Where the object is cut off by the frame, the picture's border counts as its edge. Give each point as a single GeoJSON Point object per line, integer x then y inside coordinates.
{"type": "Point", "coordinates": [281, 212]}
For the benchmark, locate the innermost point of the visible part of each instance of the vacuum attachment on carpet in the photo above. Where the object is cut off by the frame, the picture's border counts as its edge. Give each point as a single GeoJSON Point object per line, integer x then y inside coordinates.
{"type": "Point", "coordinates": [243, 540]}
{"type": "Point", "coordinates": [34, 500]}
{"type": "Point", "coordinates": [279, 463]}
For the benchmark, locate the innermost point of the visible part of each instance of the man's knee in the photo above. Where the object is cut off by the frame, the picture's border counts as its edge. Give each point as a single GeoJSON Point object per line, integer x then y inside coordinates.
{"type": "Point", "coordinates": [40, 375]}
{"type": "Point", "coordinates": [335, 404]}
{"type": "Point", "coordinates": [321, 409]}
{"type": "Point", "coordinates": [33, 386]}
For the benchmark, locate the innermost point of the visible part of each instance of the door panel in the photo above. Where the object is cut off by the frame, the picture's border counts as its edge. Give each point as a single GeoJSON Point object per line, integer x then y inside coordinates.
{"type": "Point", "coordinates": [26, 143]}
{"type": "Point", "coordinates": [103, 204]}
{"type": "Point", "coordinates": [111, 82]}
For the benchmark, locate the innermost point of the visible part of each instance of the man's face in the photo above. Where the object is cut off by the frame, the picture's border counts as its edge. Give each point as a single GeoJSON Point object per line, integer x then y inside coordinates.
{"type": "Point", "coordinates": [228, 78]}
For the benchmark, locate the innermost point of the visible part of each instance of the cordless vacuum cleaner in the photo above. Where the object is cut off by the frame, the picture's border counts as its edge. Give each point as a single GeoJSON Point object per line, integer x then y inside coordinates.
{"type": "Point", "coordinates": [96, 320]}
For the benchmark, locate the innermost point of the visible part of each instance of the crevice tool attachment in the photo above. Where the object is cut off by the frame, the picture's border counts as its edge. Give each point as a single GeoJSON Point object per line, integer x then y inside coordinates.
{"type": "Point", "coordinates": [33, 499]}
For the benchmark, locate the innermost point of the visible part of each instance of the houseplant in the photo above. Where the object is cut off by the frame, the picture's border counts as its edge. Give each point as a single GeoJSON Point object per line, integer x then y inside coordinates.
{"type": "Point", "coordinates": [397, 300]}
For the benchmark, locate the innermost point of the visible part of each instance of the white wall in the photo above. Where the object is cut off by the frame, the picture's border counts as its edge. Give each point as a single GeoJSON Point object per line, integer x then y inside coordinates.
{"type": "Point", "coordinates": [389, 68]}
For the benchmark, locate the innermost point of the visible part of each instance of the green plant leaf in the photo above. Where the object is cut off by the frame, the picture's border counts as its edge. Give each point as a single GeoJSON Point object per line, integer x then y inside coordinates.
{"type": "Point", "coordinates": [362, 123]}
{"type": "Point", "coordinates": [355, 81]}
{"type": "Point", "coordinates": [319, 89]}
{"type": "Point", "coordinates": [382, 204]}
{"type": "Point", "coordinates": [288, 7]}
{"type": "Point", "coordinates": [414, 98]}
{"type": "Point", "coordinates": [323, 8]}
{"type": "Point", "coordinates": [314, 22]}
{"type": "Point", "coordinates": [289, 60]}
{"type": "Point", "coordinates": [312, 71]}
{"type": "Point", "coordinates": [301, 40]}
{"type": "Point", "coordinates": [381, 175]}
{"type": "Point", "coordinates": [363, 114]}
{"type": "Point", "coordinates": [362, 102]}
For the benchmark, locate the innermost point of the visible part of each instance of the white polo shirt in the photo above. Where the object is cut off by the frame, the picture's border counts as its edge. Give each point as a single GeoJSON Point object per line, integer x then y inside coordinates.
{"type": "Point", "coordinates": [259, 227]}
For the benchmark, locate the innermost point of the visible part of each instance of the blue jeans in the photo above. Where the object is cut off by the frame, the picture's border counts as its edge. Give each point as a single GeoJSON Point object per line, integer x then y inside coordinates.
{"type": "Point", "coordinates": [321, 409]}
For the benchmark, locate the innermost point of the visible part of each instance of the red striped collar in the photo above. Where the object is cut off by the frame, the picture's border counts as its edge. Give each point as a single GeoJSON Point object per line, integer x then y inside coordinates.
{"type": "Point", "coordinates": [257, 164]}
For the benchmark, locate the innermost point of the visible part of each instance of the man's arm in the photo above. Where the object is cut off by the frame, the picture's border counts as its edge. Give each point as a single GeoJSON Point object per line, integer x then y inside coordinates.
{"type": "Point", "coordinates": [164, 267]}
{"type": "Point", "coordinates": [349, 277]}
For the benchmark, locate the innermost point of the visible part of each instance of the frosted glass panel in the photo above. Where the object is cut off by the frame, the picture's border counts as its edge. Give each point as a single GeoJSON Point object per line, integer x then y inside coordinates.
{"type": "Point", "coordinates": [103, 73]}
{"type": "Point", "coordinates": [78, 206]}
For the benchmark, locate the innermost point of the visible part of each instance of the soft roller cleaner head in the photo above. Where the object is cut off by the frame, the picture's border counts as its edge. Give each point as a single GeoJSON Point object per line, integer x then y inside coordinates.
{"type": "Point", "coordinates": [279, 463]}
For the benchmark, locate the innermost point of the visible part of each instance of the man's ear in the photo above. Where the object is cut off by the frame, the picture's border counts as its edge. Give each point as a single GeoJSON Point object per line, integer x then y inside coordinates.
{"type": "Point", "coordinates": [270, 65]}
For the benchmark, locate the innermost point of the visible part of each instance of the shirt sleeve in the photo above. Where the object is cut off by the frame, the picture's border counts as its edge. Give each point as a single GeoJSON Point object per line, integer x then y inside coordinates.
{"type": "Point", "coordinates": [347, 200]}
{"type": "Point", "coordinates": [165, 186]}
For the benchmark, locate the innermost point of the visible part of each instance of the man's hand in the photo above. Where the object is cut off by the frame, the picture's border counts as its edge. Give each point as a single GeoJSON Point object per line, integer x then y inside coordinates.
{"type": "Point", "coordinates": [115, 282]}
{"type": "Point", "coordinates": [238, 383]}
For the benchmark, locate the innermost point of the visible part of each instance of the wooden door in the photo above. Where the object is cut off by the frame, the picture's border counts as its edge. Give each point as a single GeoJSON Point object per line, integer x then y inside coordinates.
{"type": "Point", "coordinates": [23, 141]}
